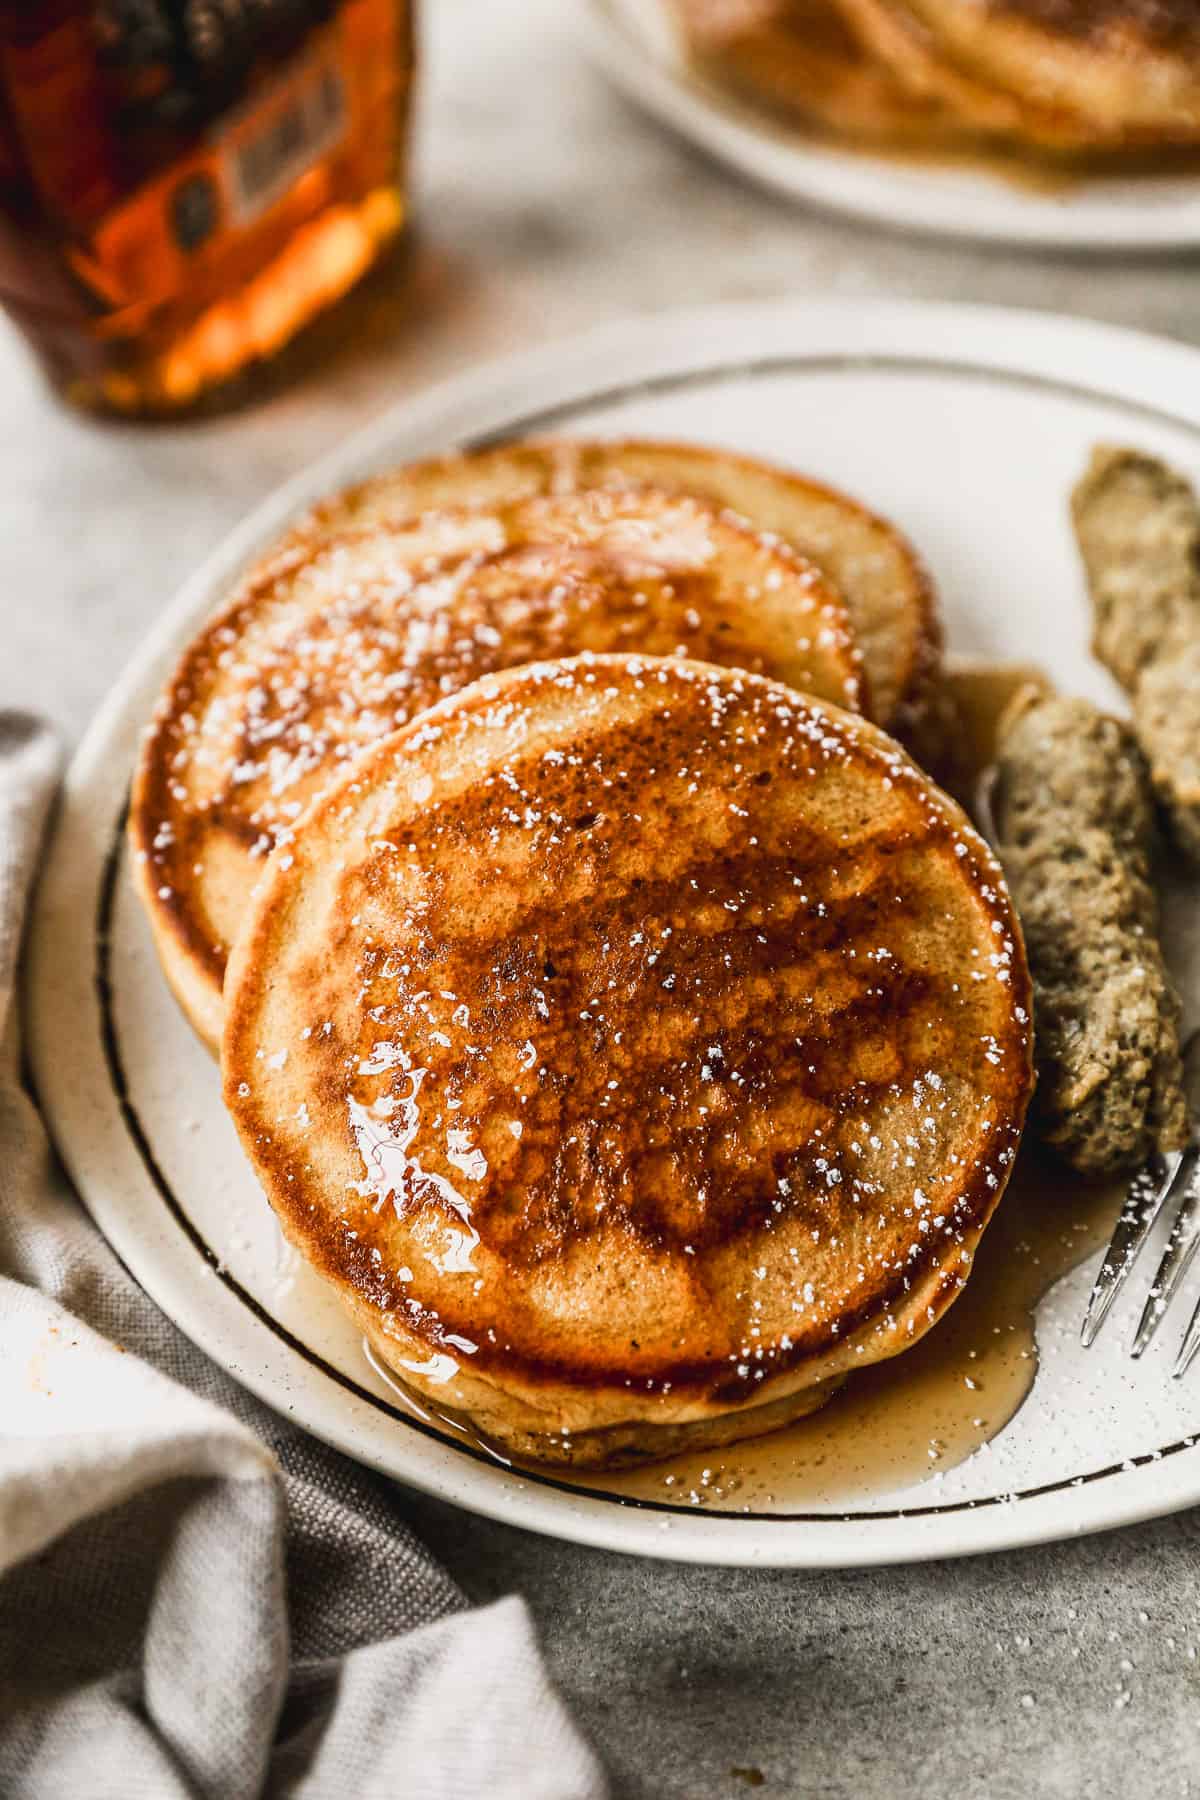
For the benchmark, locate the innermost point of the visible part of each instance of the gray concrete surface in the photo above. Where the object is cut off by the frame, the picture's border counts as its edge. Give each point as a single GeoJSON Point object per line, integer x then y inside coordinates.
{"type": "Point", "coordinates": [546, 203]}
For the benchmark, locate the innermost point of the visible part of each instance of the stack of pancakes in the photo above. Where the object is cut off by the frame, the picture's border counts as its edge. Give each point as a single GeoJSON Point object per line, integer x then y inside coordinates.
{"type": "Point", "coordinates": [614, 1013]}
{"type": "Point", "coordinates": [1070, 77]}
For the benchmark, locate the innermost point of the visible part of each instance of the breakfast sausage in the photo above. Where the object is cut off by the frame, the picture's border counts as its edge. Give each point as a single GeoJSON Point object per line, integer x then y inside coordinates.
{"type": "Point", "coordinates": [1138, 526]}
{"type": "Point", "coordinates": [1074, 826]}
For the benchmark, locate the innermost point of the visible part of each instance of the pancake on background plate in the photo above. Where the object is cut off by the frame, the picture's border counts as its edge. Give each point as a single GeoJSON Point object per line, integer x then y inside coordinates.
{"type": "Point", "coordinates": [333, 644]}
{"type": "Point", "coordinates": [1058, 74]}
{"type": "Point", "coordinates": [638, 1047]}
{"type": "Point", "coordinates": [882, 580]}
{"type": "Point", "coordinates": [803, 60]}
{"type": "Point", "coordinates": [1064, 79]}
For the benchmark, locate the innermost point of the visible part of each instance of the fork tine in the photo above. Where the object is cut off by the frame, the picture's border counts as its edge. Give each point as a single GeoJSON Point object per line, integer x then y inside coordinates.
{"type": "Point", "coordinates": [1189, 1346]}
{"type": "Point", "coordinates": [1144, 1202]}
{"type": "Point", "coordinates": [1181, 1247]}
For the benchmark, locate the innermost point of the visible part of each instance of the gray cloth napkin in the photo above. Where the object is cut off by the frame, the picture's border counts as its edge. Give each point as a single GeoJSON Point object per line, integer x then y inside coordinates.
{"type": "Point", "coordinates": [195, 1598]}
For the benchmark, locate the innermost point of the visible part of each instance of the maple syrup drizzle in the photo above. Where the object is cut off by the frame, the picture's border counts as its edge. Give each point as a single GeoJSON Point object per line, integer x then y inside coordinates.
{"type": "Point", "coordinates": [922, 1412]}
{"type": "Point", "coordinates": [901, 1421]}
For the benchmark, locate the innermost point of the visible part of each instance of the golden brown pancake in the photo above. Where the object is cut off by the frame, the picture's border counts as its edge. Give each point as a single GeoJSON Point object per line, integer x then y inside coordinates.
{"type": "Point", "coordinates": [1060, 74]}
{"type": "Point", "coordinates": [885, 586]}
{"type": "Point", "coordinates": [801, 59]}
{"type": "Point", "coordinates": [334, 644]}
{"type": "Point", "coordinates": [1129, 68]}
{"type": "Point", "coordinates": [639, 1047]}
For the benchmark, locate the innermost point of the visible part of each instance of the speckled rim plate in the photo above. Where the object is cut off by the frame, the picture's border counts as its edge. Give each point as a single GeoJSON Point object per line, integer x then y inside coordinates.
{"type": "Point", "coordinates": [632, 41]}
{"type": "Point", "coordinates": [905, 396]}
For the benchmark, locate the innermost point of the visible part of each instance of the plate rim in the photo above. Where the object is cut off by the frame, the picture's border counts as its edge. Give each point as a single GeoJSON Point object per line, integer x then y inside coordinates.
{"type": "Point", "coordinates": [842, 180]}
{"type": "Point", "coordinates": [1139, 370]}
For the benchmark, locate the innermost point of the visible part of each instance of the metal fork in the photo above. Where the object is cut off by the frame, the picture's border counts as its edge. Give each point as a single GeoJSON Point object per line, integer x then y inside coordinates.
{"type": "Point", "coordinates": [1162, 1179]}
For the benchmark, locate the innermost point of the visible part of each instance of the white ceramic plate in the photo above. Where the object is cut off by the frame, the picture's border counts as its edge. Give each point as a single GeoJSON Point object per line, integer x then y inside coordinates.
{"type": "Point", "coordinates": [640, 51]}
{"type": "Point", "coordinates": [968, 426]}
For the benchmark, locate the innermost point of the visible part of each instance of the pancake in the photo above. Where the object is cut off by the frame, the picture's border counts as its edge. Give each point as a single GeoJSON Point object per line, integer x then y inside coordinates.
{"type": "Point", "coordinates": [335, 643]}
{"type": "Point", "coordinates": [885, 587]}
{"type": "Point", "coordinates": [1129, 68]}
{"type": "Point", "coordinates": [1058, 75]}
{"type": "Point", "coordinates": [801, 59]}
{"type": "Point", "coordinates": [638, 1047]}
{"type": "Point", "coordinates": [894, 32]}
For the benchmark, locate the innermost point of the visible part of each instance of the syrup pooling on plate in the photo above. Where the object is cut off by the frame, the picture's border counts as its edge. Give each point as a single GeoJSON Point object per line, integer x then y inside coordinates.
{"type": "Point", "coordinates": [912, 1419]}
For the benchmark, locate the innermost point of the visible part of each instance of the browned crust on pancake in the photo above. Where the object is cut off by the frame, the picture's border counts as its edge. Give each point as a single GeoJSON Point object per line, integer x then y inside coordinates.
{"type": "Point", "coordinates": [1129, 69]}
{"type": "Point", "coordinates": [920, 842]}
{"type": "Point", "coordinates": [532, 1438]}
{"type": "Point", "coordinates": [801, 59]}
{"type": "Point", "coordinates": [193, 968]}
{"type": "Point", "coordinates": [1163, 22]}
{"type": "Point", "coordinates": [894, 32]}
{"type": "Point", "coordinates": [1011, 74]}
{"type": "Point", "coordinates": [191, 958]}
{"type": "Point", "coordinates": [174, 837]}
{"type": "Point", "coordinates": [912, 653]}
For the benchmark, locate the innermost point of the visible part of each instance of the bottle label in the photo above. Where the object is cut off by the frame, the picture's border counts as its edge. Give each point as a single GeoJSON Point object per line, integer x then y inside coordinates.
{"type": "Point", "coordinates": [251, 158]}
{"type": "Point", "coordinates": [270, 144]}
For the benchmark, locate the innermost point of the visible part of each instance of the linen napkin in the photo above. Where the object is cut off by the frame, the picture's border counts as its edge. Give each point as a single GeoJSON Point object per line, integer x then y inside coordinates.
{"type": "Point", "coordinates": [196, 1599]}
